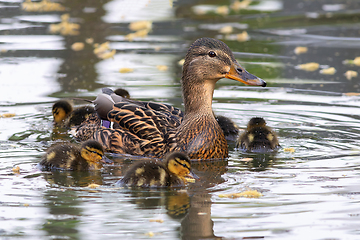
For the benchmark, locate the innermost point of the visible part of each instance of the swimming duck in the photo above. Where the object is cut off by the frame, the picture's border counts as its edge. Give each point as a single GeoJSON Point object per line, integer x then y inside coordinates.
{"type": "Point", "coordinates": [155, 129]}
{"type": "Point", "coordinates": [258, 137]}
{"type": "Point", "coordinates": [67, 156]}
{"type": "Point", "coordinates": [65, 116]}
{"type": "Point", "coordinates": [155, 173]}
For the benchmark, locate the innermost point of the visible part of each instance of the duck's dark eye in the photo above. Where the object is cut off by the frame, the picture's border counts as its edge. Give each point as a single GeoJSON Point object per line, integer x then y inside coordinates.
{"type": "Point", "coordinates": [212, 54]}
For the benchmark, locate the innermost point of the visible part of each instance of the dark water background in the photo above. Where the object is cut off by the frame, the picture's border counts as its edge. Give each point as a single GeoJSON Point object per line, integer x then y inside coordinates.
{"type": "Point", "coordinates": [311, 193]}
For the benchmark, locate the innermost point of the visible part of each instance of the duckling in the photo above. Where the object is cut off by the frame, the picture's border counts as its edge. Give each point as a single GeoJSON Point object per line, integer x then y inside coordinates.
{"type": "Point", "coordinates": [258, 137]}
{"type": "Point", "coordinates": [155, 173]}
{"type": "Point", "coordinates": [230, 129]}
{"type": "Point", "coordinates": [153, 130]}
{"type": "Point", "coordinates": [64, 115]}
{"type": "Point", "coordinates": [67, 156]}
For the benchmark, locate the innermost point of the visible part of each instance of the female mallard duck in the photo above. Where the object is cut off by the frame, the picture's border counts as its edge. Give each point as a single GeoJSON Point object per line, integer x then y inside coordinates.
{"type": "Point", "coordinates": [67, 156]}
{"type": "Point", "coordinates": [258, 137]}
{"type": "Point", "coordinates": [155, 173]}
{"type": "Point", "coordinates": [64, 115]}
{"type": "Point", "coordinates": [153, 129]}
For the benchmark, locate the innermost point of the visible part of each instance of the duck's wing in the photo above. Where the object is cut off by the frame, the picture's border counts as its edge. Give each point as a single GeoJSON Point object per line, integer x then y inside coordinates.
{"type": "Point", "coordinates": [146, 123]}
{"type": "Point", "coordinates": [140, 130]}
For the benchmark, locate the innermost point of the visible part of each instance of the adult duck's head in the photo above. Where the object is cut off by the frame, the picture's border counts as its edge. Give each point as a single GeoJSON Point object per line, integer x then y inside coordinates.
{"type": "Point", "coordinates": [207, 61]}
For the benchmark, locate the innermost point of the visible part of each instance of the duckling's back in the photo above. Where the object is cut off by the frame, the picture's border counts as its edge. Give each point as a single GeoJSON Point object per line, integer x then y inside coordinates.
{"type": "Point", "coordinates": [258, 139]}
{"type": "Point", "coordinates": [150, 173]}
{"type": "Point", "coordinates": [64, 157]}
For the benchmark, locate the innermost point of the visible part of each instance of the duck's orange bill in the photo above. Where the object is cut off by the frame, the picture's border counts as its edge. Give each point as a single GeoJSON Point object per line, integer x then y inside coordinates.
{"type": "Point", "coordinates": [238, 73]}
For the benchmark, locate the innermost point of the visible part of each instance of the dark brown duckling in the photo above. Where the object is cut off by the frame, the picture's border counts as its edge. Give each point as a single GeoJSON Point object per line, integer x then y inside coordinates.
{"type": "Point", "coordinates": [155, 173]}
{"type": "Point", "coordinates": [65, 116]}
{"type": "Point", "coordinates": [67, 156]}
{"type": "Point", "coordinates": [122, 92]}
{"type": "Point", "coordinates": [153, 130]}
{"type": "Point", "coordinates": [230, 129]}
{"type": "Point", "coordinates": [258, 137]}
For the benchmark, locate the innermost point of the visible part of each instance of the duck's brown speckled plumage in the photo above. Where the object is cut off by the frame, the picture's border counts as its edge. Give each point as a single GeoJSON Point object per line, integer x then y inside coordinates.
{"type": "Point", "coordinates": [155, 173]}
{"type": "Point", "coordinates": [68, 156]}
{"type": "Point", "coordinates": [258, 137]}
{"type": "Point", "coordinates": [153, 129]}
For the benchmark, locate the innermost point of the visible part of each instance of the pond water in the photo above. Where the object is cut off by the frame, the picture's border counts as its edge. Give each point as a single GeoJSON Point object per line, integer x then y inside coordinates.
{"type": "Point", "coordinates": [309, 187]}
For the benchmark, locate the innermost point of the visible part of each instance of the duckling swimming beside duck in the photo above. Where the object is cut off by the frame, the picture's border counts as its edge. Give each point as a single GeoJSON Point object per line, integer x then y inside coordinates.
{"type": "Point", "coordinates": [153, 130]}
{"type": "Point", "coordinates": [67, 156]}
{"type": "Point", "coordinates": [155, 173]}
{"type": "Point", "coordinates": [65, 116]}
{"type": "Point", "coordinates": [258, 137]}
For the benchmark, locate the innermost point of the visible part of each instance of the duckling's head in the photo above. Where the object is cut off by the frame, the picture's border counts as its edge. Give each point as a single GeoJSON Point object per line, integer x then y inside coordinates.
{"type": "Point", "coordinates": [179, 164]}
{"type": "Point", "coordinates": [122, 92]}
{"type": "Point", "coordinates": [93, 152]}
{"type": "Point", "coordinates": [61, 110]}
{"type": "Point", "coordinates": [256, 122]}
{"type": "Point", "coordinates": [211, 59]}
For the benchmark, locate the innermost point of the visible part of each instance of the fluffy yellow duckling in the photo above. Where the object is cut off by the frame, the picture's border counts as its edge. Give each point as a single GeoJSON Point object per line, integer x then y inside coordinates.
{"type": "Point", "coordinates": [258, 137]}
{"type": "Point", "coordinates": [67, 156]}
{"type": "Point", "coordinates": [64, 114]}
{"type": "Point", "coordinates": [155, 173]}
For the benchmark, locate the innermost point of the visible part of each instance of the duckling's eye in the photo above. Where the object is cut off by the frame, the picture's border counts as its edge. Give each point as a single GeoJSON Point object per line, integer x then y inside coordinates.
{"type": "Point", "coordinates": [212, 54]}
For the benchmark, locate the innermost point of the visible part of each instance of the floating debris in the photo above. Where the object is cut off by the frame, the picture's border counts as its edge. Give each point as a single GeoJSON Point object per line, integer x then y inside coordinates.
{"type": "Point", "coordinates": [126, 70]}
{"type": "Point", "coordinates": [162, 67]}
{"type": "Point", "coordinates": [78, 46]}
{"type": "Point", "coordinates": [310, 67]}
{"type": "Point", "coordinates": [8, 115]}
{"type": "Point", "coordinates": [93, 185]}
{"type": "Point", "coordinates": [3, 50]}
{"type": "Point", "coordinates": [190, 180]}
{"type": "Point", "coordinates": [103, 50]}
{"type": "Point", "coordinates": [226, 30]}
{"type": "Point", "coordinates": [43, 6]}
{"type": "Point", "coordinates": [156, 220]}
{"type": "Point", "coordinates": [352, 94]}
{"type": "Point", "coordinates": [243, 37]}
{"type": "Point", "coordinates": [26, 204]}
{"type": "Point", "coordinates": [238, 5]}
{"type": "Point", "coordinates": [291, 150]}
{"type": "Point", "coordinates": [300, 50]}
{"type": "Point", "coordinates": [140, 25]}
{"type": "Point", "coordinates": [246, 194]}
{"type": "Point", "coordinates": [141, 33]}
{"type": "Point", "coordinates": [89, 41]}
{"type": "Point", "coordinates": [107, 55]}
{"type": "Point", "coordinates": [150, 234]}
{"type": "Point", "coordinates": [222, 10]}
{"type": "Point", "coordinates": [350, 74]}
{"type": "Point", "coordinates": [246, 159]}
{"type": "Point", "coordinates": [328, 71]}
{"type": "Point", "coordinates": [16, 170]}
{"type": "Point", "coordinates": [65, 27]}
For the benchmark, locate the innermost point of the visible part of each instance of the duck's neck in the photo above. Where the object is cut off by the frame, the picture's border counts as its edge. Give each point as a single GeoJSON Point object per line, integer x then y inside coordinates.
{"type": "Point", "coordinates": [197, 96]}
